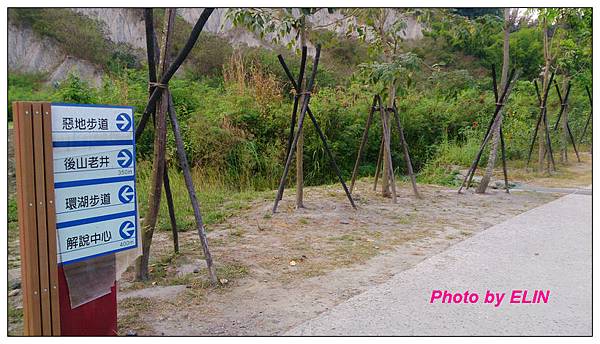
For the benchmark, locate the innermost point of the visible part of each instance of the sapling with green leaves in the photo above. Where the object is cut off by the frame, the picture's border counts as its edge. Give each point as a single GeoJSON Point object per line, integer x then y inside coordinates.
{"type": "Point", "coordinates": [390, 68]}
{"type": "Point", "coordinates": [510, 16]}
{"type": "Point", "coordinates": [279, 25]}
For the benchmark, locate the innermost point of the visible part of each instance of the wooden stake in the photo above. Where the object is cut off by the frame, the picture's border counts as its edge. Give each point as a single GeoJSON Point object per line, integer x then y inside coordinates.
{"type": "Point", "coordinates": [503, 151]}
{"type": "Point", "coordinates": [300, 144]}
{"type": "Point", "coordinates": [587, 122]}
{"type": "Point", "coordinates": [288, 162]}
{"type": "Point", "coordinates": [42, 230]}
{"type": "Point", "coordinates": [37, 218]}
{"type": "Point", "coordinates": [362, 144]}
{"type": "Point", "coordinates": [379, 163]}
{"type": "Point", "coordinates": [212, 273]}
{"type": "Point", "coordinates": [166, 77]}
{"type": "Point", "coordinates": [563, 107]}
{"type": "Point", "coordinates": [378, 105]}
{"type": "Point", "coordinates": [51, 218]}
{"type": "Point", "coordinates": [387, 151]}
{"type": "Point", "coordinates": [153, 51]}
{"type": "Point", "coordinates": [331, 158]}
{"type": "Point", "coordinates": [159, 156]}
{"type": "Point", "coordinates": [537, 125]}
{"type": "Point", "coordinates": [171, 208]}
{"type": "Point", "coordinates": [404, 144]}
{"type": "Point", "coordinates": [23, 129]}
{"type": "Point", "coordinates": [306, 109]}
{"type": "Point", "coordinates": [469, 177]}
{"type": "Point", "coordinates": [548, 142]}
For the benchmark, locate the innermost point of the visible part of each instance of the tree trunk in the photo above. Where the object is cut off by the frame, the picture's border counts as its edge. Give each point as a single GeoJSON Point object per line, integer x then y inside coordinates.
{"type": "Point", "coordinates": [387, 161]}
{"type": "Point", "coordinates": [300, 147]}
{"type": "Point", "coordinates": [158, 163]}
{"type": "Point", "coordinates": [542, 127]}
{"type": "Point", "coordinates": [564, 156]}
{"type": "Point", "coordinates": [496, 129]}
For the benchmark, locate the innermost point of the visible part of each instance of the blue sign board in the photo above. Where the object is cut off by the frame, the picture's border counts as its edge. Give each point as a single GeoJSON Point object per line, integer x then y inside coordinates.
{"type": "Point", "coordinates": [94, 180]}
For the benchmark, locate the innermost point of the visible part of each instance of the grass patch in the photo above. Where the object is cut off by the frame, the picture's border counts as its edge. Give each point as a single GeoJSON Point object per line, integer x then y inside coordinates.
{"type": "Point", "coordinates": [232, 271]}
{"type": "Point", "coordinates": [237, 232]}
{"type": "Point", "coordinates": [217, 201]}
{"type": "Point", "coordinates": [15, 321]}
{"type": "Point", "coordinates": [449, 157]}
{"type": "Point", "coordinates": [351, 249]}
{"type": "Point", "coordinates": [14, 256]}
{"type": "Point", "coordinates": [134, 308]}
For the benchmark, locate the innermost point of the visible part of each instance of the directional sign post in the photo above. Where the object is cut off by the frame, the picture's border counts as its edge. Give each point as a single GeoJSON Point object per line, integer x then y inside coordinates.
{"type": "Point", "coordinates": [94, 178]}
{"type": "Point", "coordinates": [96, 210]}
{"type": "Point", "coordinates": [77, 205]}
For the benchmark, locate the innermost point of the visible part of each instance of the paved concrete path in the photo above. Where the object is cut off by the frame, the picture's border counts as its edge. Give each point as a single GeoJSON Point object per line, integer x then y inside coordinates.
{"type": "Point", "coordinates": [548, 248]}
{"type": "Point", "coordinates": [579, 191]}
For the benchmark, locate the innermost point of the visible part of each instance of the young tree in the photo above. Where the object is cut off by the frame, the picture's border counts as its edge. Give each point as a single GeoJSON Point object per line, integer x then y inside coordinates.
{"type": "Point", "coordinates": [158, 162]}
{"type": "Point", "coordinates": [509, 19]}
{"type": "Point", "coordinates": [566, 55]}
{"type": "Point", "coordinates": [573, 60]}
{"type": "Point", "coordinates": [280, 24]}
{"type": "Point", "coordinates": [384, 29]}
{"type": "Point", "coordinates": [547, 19]}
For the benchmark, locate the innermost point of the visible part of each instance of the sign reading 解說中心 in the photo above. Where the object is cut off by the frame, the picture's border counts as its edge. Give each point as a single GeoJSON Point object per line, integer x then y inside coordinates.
{"type": "Point", "coordinates": [94, 180]}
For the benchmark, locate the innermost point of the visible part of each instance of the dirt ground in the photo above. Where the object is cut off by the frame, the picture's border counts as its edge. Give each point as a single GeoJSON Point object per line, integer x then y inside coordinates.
{"type": "Point", "coordinates": [280, 270]}
{"type": "Point", "coordinates": [285, 268]}
{"type": "Point", "coordinates": [570, 175]}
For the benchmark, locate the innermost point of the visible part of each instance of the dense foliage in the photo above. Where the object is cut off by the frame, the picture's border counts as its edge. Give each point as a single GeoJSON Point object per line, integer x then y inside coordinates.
{"type": "Point", "coordinates": [234, 104]}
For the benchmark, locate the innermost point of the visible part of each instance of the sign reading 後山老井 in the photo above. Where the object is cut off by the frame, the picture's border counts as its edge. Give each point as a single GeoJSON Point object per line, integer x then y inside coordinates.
{"type": "Point", "coordinates": [94, 180]}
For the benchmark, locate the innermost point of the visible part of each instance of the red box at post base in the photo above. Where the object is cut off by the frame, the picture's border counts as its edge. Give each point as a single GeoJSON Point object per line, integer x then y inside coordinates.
{"type": "Point", "coordinates": [95, 318]}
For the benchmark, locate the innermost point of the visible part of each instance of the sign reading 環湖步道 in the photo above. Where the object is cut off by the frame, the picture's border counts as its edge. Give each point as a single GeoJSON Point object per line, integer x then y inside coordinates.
{"type": "Point", "coordinates": [94, 180]}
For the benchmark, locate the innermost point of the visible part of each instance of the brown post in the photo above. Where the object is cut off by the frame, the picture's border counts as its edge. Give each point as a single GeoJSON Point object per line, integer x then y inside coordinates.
{"type": "Point", "coordinates": [51, 218]}
{"type": "Point", "coordinates": [404, 145]}
{"type": "Point", "coordinates": [37, 221]}
{"type": "Point", "coordinates": [388, 169]}
{"type": "Point", "coordinates": [378, 168]}
{"type": "Point", "coordinates": [159, 155]}
{"type": "Point", "coordinates": [362, 144]}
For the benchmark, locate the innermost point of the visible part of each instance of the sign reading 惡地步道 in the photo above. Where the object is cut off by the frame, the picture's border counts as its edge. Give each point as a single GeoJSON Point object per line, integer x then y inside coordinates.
{"type": "Point", "coordinates": [94, 180]}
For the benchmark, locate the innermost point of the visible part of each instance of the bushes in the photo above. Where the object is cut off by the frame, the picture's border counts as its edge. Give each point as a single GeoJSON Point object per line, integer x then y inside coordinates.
{"type": "Point", "coordinates": [26, 87]}
{"type": "Point", "coordinates": [235, 125]}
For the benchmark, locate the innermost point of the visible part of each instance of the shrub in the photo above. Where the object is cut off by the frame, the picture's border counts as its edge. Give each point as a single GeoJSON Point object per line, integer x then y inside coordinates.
{"type": "Point", "coordinates": [27, 86]}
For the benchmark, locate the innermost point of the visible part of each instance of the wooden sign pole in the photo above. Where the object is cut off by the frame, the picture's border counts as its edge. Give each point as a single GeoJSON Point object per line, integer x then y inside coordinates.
{"type": "Point", "coordinates": [37, 218]}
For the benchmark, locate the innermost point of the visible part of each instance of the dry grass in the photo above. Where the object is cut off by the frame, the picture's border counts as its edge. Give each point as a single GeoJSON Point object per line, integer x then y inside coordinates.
{"type": "Point", "coordinates": [571, 174]}
{"type": "Point", "coordinates": [131, 314]}
{"type": "Point", "coordinates": [264, 257]}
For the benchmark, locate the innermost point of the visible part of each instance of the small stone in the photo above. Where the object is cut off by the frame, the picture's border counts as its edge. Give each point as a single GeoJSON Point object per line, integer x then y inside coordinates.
{"type": "Point", "coordinates": [14, 280]}
{"type": "Point", "coordinates": [14, 292]}
{"type": "Point", "coordinates": [15, 283]}
{"type": "Point", "coordinates": [131, 333]}
{"type": "Point", "coordinates": [224, 281]}
{"type": "Point", "coordinates": [293, 263]}
{"type": "Point", "coordinates": [196, 271]}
